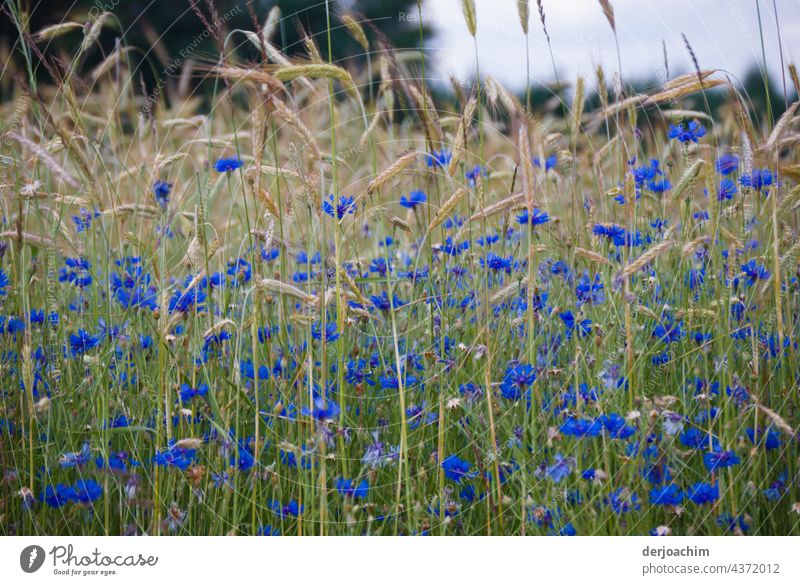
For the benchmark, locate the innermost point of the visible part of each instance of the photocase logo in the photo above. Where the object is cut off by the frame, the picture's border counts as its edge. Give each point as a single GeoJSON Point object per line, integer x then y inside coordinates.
{"type": "Point", "coordinates": [31, 558]}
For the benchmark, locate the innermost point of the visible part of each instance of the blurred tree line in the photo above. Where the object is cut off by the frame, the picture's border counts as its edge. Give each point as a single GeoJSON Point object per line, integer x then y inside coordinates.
{"type": "Point", "coordinates": [167, 29]}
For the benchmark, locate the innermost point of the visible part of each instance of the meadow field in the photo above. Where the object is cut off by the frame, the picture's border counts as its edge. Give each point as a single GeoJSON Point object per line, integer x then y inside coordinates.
{"type": "Point", "coordinates": [327, 297]}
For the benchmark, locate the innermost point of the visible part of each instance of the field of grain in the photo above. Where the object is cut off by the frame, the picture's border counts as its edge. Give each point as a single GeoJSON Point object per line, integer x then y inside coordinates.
{"type": "Point", "coordinates": [322, 299]}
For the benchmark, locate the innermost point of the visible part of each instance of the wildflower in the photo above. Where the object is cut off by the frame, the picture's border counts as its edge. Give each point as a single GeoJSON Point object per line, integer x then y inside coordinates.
{"type": "Point", "coordinates": [330, 333]}
{"type": "Point", "coordinates": [497, 263]}
{"type": "Point", "coordinates": [187, 393]}
{"type": "Point", "coordinates": [549, 162]}
{"type": "Point", "coordinates": [687, 132]}
{"type": "Point", "coordinates": [584, 326]}
{"type": "Point", "coordinates": [561, 468]}
{"type": "Point", "coordinates": [175, 456]}
{"type": "Point", "coordinates": [77, 272]}
{"type": "Point", "coordinates": [175, 518]}
{"type": "Point", "coordinates": [737, 525]}
{"type": "Point", "coordinates": [590, 291]}
{"type": "Point", "coordinates": [726, 191]}
{"type": "Point", "coordinates": [378, 454]}
{"type": "Point", "coordinates": [720, 460]}
{"type": "Point", "coordinates": [517, 379]}
{"type": "Point", "coordinates": [471, 392]}
{"type": "Point", "coordinates": [82, 341]}
{"type": "Point", "coordinates": [616, 426]}
{"type": "Point", "coordinates": [673, 422]}
{"type": "Point", "coordinates": [456, 469]}
{"type": "Point", "coordinates": [727, 164]}
{"type": "Point", "coordinates": [580, 428]}
{"type": "Point", "coordinates": [323, 409]}
{"type": "Point", "coordinates": [668, 495]}
{"type": "Point", "coordinates": [758, 179]}
{"type": "Point", "coordinates": [227, 165]}
{"type": "Point", "coordinates": [472, 175]}
{"type": "Point", "coordinates": [382, 302]}
{"type": "Point", "coordinates": [349, 489]}
{"type": "Point", "coordinates": [57, 496]}
{"type": "Point", "coordinates": [77, 459]}
{"type": "Point", "coordinates": [83, 221]}
{"type": "Point", "coordinates": [4, 282]}
{"type": "Point", "coordinates": [769, 438]}
{"type": "Point", "coordinates": [191, 298]}
{"type": "Point", "coordinates": [668, 331]}
{"type": "Point", "coordinates": [346, 205]}
{"type": "Point", "coordinates": [622, 501]}
{"type": "Point", "coordinates": [538, 217]}
{"type": "Point", "coordinates": [754, 272]}
{"type": "Point", "coordinates": [697, 439]}
{"type": "Point", "coordinates": [133, 288]}
{"type": "Point", "coordinates": [414, 199]}
{"type": "Point", "coordinates": [438, 158]}
{"type": "Point", "coordinates": [87, 491]}
{"type": "Point", "coordinates": [161, 191]}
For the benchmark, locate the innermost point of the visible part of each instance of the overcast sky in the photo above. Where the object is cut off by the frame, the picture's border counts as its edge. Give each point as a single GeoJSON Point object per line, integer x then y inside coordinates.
{"type": "Point", "coordinates": [723, 33]}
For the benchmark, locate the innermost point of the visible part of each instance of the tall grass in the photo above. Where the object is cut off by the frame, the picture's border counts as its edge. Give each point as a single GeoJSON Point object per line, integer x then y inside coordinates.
{"type": "Point", "coordinates": [238, 314]}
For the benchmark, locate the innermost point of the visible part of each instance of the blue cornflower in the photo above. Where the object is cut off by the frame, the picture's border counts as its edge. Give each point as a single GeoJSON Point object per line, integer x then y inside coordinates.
{"type": "Point", "coordinates": [226, 165]}
{"type": "Point", "coordinates": [538, 217]}
{"type": "Point", "coordinates": [83, 221]}
{"type": "Point", "coordinates": [727, 189]}
{"type": "Point", "coordinates": [330, 333]}
{"type": "Point", "coordinates": [703, 493]}
{"type": "Point", "coordinates": [549, 162]}
{"type": "Point", "coordinates": [188, 393]}
{"type": "Point", "coordinates": [720, 460]}
{"type": "Point", "coordinates": [77, 272]}
{"type": "Point", "coordinates": [758, 179]}
{"type": "Point", "coordinates": [383, 303]}
{"type": "Point", "coordinates": [82, 341]}
{"type": "Point", "coordinates": [668, 495]}
{"type": "Point", "coordinates": [76, 459]}
{"type": "Point", "coordinates": [616, 426]}
{"type": "Point", "coordinates": [438, 158]}
{"type": "Point", "coordinates": [4, 282]}
{"type": "Point", "coordinates": [561, 468]}
{"type": "Point", "coordinates": [323, 409]}
{"type": "Point", "coordinates": [414, 198]}
{"type": "Point", "coordinates": [668, 330]}
{"type": "Point", "coordinates": [292, 509]}
{"type": "Point", "coordinates": [456, 469]}
{"type": "Point", "coordinates": [590, 291]}
{"type": "Point", "coordinates": [517, 379]}
{"type": "Point", "coordinates": [754, 272]}
{"type": "Point", "coordinates": [345, 206]}
{"type": "Point", "coordinates": [769, 438]}
{"type": "Point", "coordinates": [57, 496]}
{"type": "Point", "coordinates": [622, 501]}
{"type": "Point", "coordinates": [577, 427]}
{"type": "Point", "coordinates": [472, 175]}
{"type": "Point", "coordinates": [349, 489]}
{"type": "Point", "coordinates": [175, 456]}
{"type": "Point", "coordinates": [687, 132]}
{"type": "Point", "coordinates": [584, 326]}
{"type": "Point", "coordinates": [303, 258]}
{"type": "Point", "coordinates": [497, 263]}
{"type": "Point", "coordinates": [727, 164]}
{"type": "Point", "coordinates": [183, 301]}
{"type": "Point", "coordinates": [697, 439]}
{"type": "Point", "coordinates": [87, 490]}
{"type": "Point", "coordinates": [240, 271]}
{"type": "Point", "coordinates": [161, 191]}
